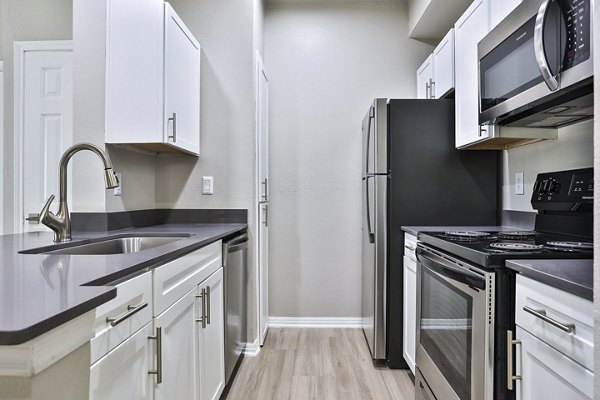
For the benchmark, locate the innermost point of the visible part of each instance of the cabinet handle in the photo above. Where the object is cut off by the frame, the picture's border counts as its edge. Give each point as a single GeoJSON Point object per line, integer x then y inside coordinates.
{"type": "Point", "coordinates": [266, 220]}
{"type": "Point", "coordinates": [131, 310]}
{"type": "Point", "coordinates": [265, 195]}
{"type": "Point", "coordinates": [208, 305]}
{"type": "Point", "coordinates": [482, 131]}
{"type": "Point", "coordinates": [432, 88]}
{"type": "Point", "coordinates": [427, 90]}
{"type": "Point", "coordinates": [202, 318]}
{"type": "Point", "coordinates": [410, 248]}
{"type": "Point", "coordinates": [541, 314]}
{"type": "Point", "coordinates": [174, 135]}
{"type": "Point", "coordinates": [158, 370]}
{"type": "Point", "coordinates": [509, 361]}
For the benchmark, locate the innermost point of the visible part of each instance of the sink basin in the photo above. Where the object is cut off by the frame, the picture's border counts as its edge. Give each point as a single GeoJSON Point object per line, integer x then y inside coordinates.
{"type": "Point", "coordinates": [114, 245]}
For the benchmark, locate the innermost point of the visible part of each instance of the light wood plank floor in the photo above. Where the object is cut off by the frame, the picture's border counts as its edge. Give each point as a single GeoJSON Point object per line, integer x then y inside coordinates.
{"type": "Point", "coordinates": [320, 364]}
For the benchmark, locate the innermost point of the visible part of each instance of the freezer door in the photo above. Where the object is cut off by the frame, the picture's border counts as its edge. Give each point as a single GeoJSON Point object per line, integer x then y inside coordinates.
{"type": "Point", "coordinates": [374, 132]}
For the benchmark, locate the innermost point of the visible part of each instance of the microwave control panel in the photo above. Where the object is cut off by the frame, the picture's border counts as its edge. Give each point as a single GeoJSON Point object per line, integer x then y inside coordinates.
{"type": "Point", "coordinates": [571, 190]}
{"type": "Point", "coordinates": [576, 14]}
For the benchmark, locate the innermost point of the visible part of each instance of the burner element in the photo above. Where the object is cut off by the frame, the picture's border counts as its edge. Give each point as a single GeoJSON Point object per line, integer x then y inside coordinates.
{"type": "Point", "coordinates": [467, 234]}
{"type": "Point", "coordinates": [570, 246]}
{"type": "Point", "coordinates": [508, 246]}
{"type": "Point", "coordinates": [516, 234]}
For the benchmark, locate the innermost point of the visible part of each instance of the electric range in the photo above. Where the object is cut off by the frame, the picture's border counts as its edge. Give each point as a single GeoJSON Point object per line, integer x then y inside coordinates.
{"type": "Point", "coordinates": [465, 294]}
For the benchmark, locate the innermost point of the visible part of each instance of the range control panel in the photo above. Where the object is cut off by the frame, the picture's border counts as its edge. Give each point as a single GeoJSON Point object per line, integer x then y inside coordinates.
{"type": "Point", "coordinates": [571, 190]}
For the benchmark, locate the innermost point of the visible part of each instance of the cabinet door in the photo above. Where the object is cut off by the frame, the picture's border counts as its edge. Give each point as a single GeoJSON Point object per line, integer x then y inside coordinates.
{"type": "Point", "coordinates": [179, 351]}
{"type": "Point", "coordinates": [443, 66]}
{"type": "Point", "coordinates": [410, 312]}
{"type": "Point", "coordinates": [424, 78]}
{"type": "Point", "coordinates": [499, 9]}
{"type": "Point", "coordinates": [549, 374]}
{"type": "Point", "coordinates": [211, 337]}
{"type": "Point", "coordinates": [182, 85]}
{"type": "Point", "coordinates": [123, 373]}
{"type": "Point", "coordinates": [134, 71]}
{"type": "Point", "coordinates": [471, 27]}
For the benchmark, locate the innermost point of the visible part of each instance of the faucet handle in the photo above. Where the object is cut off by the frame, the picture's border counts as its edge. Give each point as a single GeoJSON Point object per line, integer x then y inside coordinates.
{"type": "Point", "coordinates": [46, 210]}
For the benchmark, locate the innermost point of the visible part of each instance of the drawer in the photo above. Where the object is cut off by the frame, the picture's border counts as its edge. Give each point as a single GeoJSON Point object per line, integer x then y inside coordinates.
{"type": "Point", "coordinates": [176, 278]}
{"type": "Point", "coordinates": [121, 317]}
{"type": "Point", "coordinates": [410, 246]}
{"type": "Point", "coordinates": [559, 306]}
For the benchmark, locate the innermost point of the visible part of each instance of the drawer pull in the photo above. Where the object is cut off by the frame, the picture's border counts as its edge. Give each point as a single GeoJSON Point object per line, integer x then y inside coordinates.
{"type": "Point", "coordinates": [541, 314]}
{"type": "Point", "coordinates": [132, 310]}
{"type": "Point", "coordinates": [410, 247]}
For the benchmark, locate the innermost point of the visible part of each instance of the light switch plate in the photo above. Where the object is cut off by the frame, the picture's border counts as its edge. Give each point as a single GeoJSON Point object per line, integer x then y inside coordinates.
{"type": "Point", "coordinates": [118, 190]}
{"type": "Point", "coordinates": [207, 185]}
{"type": "Point", "coordinates": [519, 177]}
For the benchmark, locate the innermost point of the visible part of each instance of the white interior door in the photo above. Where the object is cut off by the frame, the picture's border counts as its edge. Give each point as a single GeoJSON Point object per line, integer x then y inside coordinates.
{"type": "Point", "coordinates": [262, 175]}
{"type": "Point", "coordinates": [43, 123]}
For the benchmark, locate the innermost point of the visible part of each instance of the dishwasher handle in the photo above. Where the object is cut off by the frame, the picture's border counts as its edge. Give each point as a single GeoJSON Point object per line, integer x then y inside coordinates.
{"type": "Point", "coordinates": [237, 244]}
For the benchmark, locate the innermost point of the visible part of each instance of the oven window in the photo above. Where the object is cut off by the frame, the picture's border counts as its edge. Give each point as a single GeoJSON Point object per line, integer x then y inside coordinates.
{"type": "Point", "coordinates": [446, 330]}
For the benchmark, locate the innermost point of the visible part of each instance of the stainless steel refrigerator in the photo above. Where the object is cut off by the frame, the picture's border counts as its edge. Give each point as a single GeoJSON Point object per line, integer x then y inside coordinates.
{"type": "Point", "coordinates": [412, 176]}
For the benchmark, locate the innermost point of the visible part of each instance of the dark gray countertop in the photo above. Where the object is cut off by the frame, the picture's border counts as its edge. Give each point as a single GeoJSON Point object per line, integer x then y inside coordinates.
{"type": "Point", "coordinates": [40, 292]}
{"type": "Point", "coordinates": [573, 276]}
{"type": "Point", "coordinates": [414, 230]}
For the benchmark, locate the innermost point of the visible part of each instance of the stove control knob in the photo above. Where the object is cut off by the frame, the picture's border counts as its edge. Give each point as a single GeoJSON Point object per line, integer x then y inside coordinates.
{"type": "Point", "coordinates": [536, 186]}
{"type": "Point", "coordinates": [553, 186]}
{"type": "Point", "coordinates": [543, 186]}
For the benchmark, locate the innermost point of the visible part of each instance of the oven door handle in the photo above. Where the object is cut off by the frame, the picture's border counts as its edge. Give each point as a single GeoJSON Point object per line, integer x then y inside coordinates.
{"type": "Point", "coordinates": [450, 270]}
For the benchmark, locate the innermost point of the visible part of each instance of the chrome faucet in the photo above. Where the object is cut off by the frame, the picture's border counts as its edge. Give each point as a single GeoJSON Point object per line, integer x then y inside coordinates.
{"type": "Point", "coordinates": [60, 222]}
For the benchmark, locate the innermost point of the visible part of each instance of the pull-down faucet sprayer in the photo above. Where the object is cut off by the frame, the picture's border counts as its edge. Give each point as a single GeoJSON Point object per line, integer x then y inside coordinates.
{"type": "Point", "coordinates": [60, 222]}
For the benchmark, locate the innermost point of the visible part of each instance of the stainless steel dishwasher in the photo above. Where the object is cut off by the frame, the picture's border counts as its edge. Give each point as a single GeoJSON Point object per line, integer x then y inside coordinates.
{"type": "Point", "coordinates": [235, 251]}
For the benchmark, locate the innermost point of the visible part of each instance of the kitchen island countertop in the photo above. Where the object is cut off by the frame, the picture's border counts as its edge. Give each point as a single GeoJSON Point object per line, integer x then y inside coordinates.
{"type": "Point", "coordinates": [39, 292]}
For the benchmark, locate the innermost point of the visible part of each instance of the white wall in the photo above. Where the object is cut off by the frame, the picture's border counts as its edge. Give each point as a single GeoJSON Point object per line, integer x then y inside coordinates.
{"type": "Point", "coordinates": [572, 149]}
{"type": "Point", "coordinates": [326, 63]}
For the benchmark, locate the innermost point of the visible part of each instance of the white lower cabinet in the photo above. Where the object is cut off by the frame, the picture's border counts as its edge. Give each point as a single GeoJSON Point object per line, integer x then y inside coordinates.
{"type": "Point", "coordinates": [409, 326]}
{"type": "Point", "coordinates": [123, 372]}
{"type": "Point", "coordinates": [211, 336]}
{"type": "Point", "coordinates": [549, 374]}
{"type": "Point", "coordinates": [178, 351]}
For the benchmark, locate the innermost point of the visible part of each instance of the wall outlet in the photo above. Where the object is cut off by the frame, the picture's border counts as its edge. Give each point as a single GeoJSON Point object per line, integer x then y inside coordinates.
{"type": "Point", "coordinates": [519, 178]}
{"type": "Point", "coordinates": [118, 190]}
{"type": "Point", "coordinates": [207, 185]}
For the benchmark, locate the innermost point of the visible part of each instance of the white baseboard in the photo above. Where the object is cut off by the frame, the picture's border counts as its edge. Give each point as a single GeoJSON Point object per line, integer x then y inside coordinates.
{"type": "Point", "coordinates": [314, 322]}
{"type": "Point", "coordinates": [252, 349]}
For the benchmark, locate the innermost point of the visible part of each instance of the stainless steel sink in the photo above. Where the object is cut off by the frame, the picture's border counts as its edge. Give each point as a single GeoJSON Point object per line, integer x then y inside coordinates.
{"type": "Point", "coordinates": [118, 245]}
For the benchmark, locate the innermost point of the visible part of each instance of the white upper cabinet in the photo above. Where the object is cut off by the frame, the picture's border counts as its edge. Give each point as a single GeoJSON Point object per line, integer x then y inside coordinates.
{"type": "Point", "coordinates": [425, 78]}
{"type": "Point", "coordinates": [182, 85]}
{"type": "Point", "coordinates": [443, 66]}
{"type": "Point", "coordinates": [470, 28]}
{"type": "Point", "coordinates": [499, 9]}
{"type": "Point", "coordinates": [134, 70]}
{"type": "Point", "coordinates": [147, 62]}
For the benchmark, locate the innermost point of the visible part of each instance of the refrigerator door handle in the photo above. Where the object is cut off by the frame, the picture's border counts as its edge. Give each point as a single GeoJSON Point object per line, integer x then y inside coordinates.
{"type": "Point", "coordinates": [368, 205]}
{"type": "Point", "coordinates": [371, 117]}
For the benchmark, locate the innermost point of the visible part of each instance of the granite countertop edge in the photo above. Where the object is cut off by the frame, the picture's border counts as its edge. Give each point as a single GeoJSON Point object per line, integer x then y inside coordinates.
{"type": "Point", "coordinates": [97, 290]}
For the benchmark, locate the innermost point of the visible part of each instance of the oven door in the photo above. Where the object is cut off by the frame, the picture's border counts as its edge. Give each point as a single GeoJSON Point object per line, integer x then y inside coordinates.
{"type": "Point", "coordinates": [455, 322]}
{"type": "Point", "coordinates": [543, 46]}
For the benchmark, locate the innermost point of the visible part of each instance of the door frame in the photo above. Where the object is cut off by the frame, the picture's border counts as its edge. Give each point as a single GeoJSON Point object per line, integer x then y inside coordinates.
{"type": "Point", "coordinates": [260, 69]}
{"type": "Point", "coordinates": [20, 49]}
{"type": "Point", "coordinates": [1, 146]}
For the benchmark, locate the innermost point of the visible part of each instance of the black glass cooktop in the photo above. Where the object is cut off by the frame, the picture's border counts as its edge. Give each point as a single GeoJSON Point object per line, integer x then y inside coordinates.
{"type": "Point", "coordinates": [493, 248]}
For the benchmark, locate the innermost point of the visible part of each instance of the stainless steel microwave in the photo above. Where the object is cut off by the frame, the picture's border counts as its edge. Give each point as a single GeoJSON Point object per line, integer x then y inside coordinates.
{"type": "Point", "coordinates": [536, 66]}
